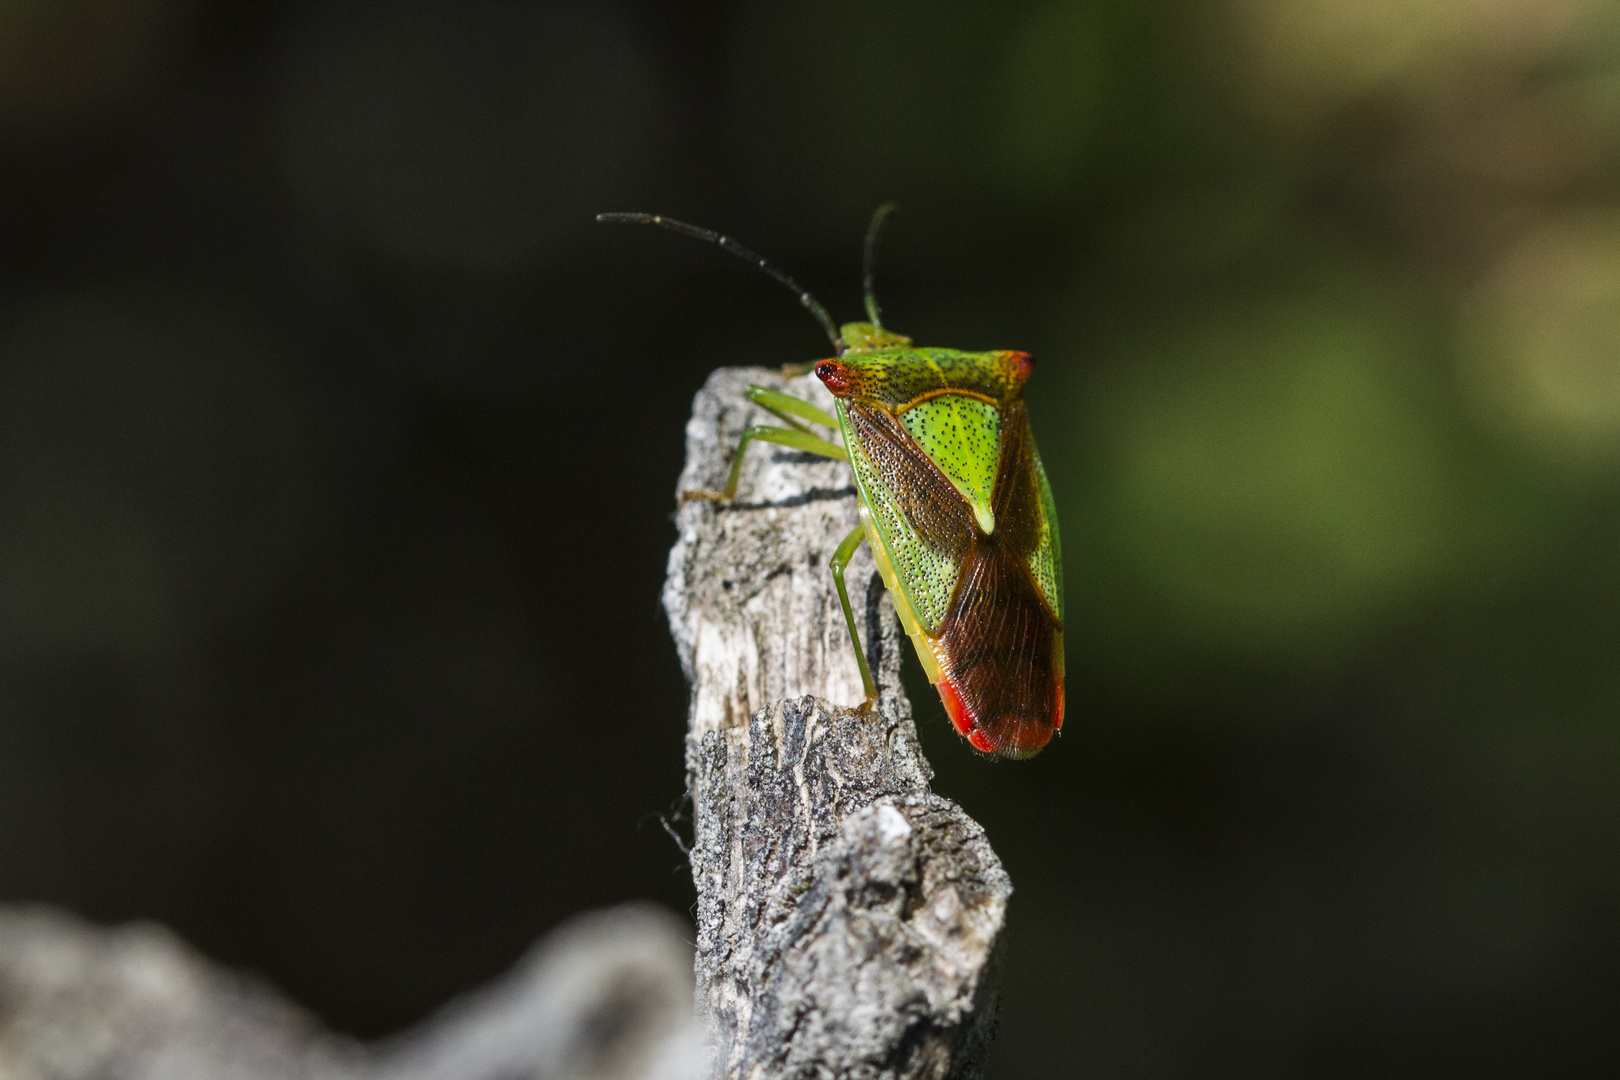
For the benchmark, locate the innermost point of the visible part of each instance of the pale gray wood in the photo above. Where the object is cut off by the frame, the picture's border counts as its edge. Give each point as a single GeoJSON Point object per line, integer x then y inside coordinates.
{"type": "Point", "coordinates": [606, 996]}
{"type": "Point", "coordinates": [848, 917]}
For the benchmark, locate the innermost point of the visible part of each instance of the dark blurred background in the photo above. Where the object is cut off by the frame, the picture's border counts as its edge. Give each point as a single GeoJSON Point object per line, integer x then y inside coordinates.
{"type": "Point", "coordinates": [338, 443]}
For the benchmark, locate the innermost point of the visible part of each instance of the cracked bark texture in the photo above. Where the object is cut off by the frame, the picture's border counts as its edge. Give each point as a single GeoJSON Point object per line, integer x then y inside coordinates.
{"type": "Point", "coordinates": [848, 917]}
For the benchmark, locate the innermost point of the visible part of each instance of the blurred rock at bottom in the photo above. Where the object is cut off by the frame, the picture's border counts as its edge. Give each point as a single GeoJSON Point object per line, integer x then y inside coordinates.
{"type": "Point", "coordinates": [608, 995]}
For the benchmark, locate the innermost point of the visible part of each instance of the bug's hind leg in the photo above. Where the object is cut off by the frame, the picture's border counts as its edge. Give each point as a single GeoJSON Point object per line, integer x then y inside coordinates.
{"type": "Point", "coordinates": [797, 437]}
{"type": "Point", "coordinates": [840, 560]}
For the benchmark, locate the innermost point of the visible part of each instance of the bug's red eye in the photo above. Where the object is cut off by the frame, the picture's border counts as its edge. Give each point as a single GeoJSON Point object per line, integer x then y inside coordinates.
{"type": "Point", "coordinates": [1023, 363]}
{"type": "Point", "coordinates": [835, 375]}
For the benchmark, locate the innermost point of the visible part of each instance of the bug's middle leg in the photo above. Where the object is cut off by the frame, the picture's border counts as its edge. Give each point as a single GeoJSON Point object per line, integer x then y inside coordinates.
{"type": "Point", "coordinates": [840, 560]}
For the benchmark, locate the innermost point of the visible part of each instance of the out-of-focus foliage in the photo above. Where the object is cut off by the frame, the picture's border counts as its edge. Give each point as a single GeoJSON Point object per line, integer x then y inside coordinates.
{"type": "Point", "coordinates": [336, 447]}
{"type": "Point", "coordinates": [1273, 473]}
{"type": "Point", "coordinates": [1538, 346]}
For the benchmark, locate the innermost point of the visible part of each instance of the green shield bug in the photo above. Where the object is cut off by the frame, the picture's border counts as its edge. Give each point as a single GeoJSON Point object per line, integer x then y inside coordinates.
{"type": "Point", "coordinates": [953, 499]}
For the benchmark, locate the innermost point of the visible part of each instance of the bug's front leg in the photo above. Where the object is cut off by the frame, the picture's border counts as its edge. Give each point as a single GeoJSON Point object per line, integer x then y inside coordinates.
{"type": "Point", "coordinates": [797, 437]}
{"type": "Point", "coordinates": [840, 560]}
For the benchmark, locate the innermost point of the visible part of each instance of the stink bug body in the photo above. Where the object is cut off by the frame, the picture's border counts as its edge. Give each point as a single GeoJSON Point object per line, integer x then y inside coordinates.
{"type": "Point", "coordinates": [954, 501]}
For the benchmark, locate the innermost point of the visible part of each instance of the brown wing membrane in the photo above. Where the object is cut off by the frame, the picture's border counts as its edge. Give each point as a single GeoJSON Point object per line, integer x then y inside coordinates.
{"type": "Point", "coordinates": [1003, 644]}
{"type": "Point", "coordinates": [1002, 649]}
{"type": "Point", "coordinates": [1017, 498]}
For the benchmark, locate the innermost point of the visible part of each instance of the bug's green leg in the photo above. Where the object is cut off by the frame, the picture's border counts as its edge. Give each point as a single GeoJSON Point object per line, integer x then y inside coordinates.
{"type": "Point", "coordinates": [789, 437]}
{"type": "Point", "coordinates": [840, 559]}
{"type": "Point", "coordinates": [789, 408]}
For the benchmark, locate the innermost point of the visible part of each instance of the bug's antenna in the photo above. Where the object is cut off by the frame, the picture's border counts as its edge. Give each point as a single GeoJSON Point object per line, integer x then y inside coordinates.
{"type": "Point", "coordinates": [869, 263]}
{"type": "Point", "coordinates": [810, 303]}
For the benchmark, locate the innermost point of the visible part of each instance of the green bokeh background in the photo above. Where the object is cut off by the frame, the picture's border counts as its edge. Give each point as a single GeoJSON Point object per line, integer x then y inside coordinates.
{"type": "Point", "coordinates": [337, 447]}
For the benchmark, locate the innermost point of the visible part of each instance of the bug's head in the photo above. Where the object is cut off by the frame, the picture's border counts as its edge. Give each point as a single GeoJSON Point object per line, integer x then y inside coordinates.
{"type": "Point", "coordinates": [861, 336]}
{"type": "Point", "coordinates": [837, 376]}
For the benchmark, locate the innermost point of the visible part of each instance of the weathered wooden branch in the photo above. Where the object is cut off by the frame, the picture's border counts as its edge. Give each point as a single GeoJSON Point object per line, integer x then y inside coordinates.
{"type": "Point", "coordinates": [848, 917]}
{"type": "Point", "coordinates": [605, 996]}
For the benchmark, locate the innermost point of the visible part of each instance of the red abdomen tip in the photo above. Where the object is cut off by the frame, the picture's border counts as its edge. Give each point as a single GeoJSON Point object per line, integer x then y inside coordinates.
{"type": "Point", "coordinates": [955, 708]}
{"type": "Point", "coordinates": [1009, 736]}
